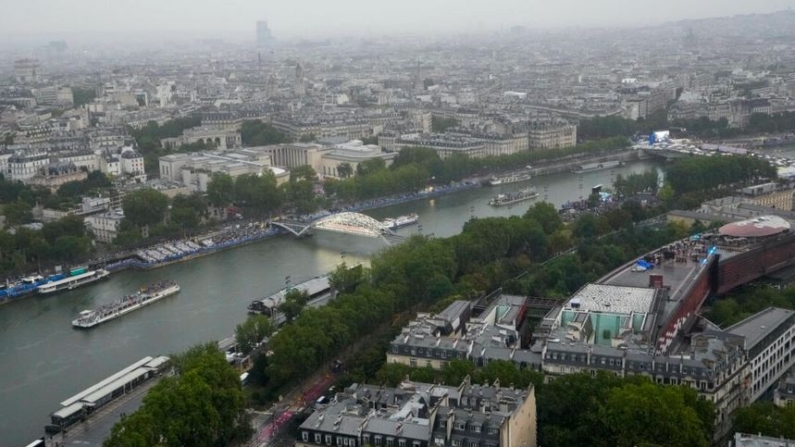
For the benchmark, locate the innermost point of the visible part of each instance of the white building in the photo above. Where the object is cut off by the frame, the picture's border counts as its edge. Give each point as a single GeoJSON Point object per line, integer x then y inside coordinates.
{"type": "Point", "coordinates": [196, 169]}
{"type": "Point", "coordinates": [105, 226]}
{"type": "Point", "coordinates": [132, 162]}
{"type": "Point", "coordinates": [88, 160]}
{"type": "Point", "coordinates": [23, 167]}
{"type": "Point", "coordinates": [770, 344]}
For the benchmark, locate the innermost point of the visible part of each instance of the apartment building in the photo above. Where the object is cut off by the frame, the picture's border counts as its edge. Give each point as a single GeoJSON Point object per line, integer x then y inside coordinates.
{"type": "Point", "coordinates": [423, 415]}
{"type": "Point", "coordinates": [551, 135]}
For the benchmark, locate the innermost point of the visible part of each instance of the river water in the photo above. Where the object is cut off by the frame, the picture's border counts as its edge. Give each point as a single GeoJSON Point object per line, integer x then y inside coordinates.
{"type": "Point", "coordinates": [43, 360]}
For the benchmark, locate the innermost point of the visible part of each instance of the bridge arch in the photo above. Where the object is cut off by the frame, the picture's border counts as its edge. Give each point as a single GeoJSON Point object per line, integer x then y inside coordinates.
{"type": "Point", "coordinates": [347, 222]}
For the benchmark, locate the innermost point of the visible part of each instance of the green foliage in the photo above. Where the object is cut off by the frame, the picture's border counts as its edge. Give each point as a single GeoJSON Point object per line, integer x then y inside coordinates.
{"type": "Point", "coordinates": [145, 207]}
{"type": "Point", "coordinates": [258, 194]}
{"type": "Point", "coordinates": [439, 124]}
{"type": "Point", "coordinates": [294, 302]}
{"type": "Point", "coordinates": [698, 174]}
{"type": "Point", "coordinates": [745, 301]}
{"type": "Point", "coordinates": [18, 213]}
{"type": "Point", "coordinates": [636, 183]}
{"type": "Point", "coordinates": [203, 406]}
{"type": "Point", "coordinates": [96, 180]}
{"type": "Point", "coordinates": [83, 96]}
{"type": "Point", "coordinates": [767, 419]}
{"type": "Point", "coordinates": [148, 137]}
{"type": "Point", "coordinates": [345, 279]}
{"type": "Point", "coordinates": [252, 331]}
{"type": "Point", "coordinates": [344, 170]}
{"type": "Point", "coordinates": [221, 189]}
{"type": "Point", "coordinates": [188, 211]}
{"type": "Point", "coordinates": [257, 133]}
{"type": "Point", "coordinates": [610, 411]}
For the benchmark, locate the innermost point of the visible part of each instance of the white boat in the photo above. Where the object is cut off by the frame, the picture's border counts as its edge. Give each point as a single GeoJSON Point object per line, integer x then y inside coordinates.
{"type": "Point", "coordinates": [513, 197]}
{"type": "Point", "coordinates": [508, 179]}
{"type": "Point", "coordinates": [73, 282]}
{"type": "Point", "coordinates": [401, 221]}
{"type": "Point", "coordinates": [147, 295]}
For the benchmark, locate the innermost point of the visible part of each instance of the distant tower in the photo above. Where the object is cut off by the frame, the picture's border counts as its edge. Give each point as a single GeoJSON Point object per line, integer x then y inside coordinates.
{"type": "Point", "coordinates": [270, 86]}
{"type": "Point", "coordinates": [299, 80]}
{"type": "Point", "coordinates": [419, 85]}
{"type": "Point", "coordinates": [264, 35]}
{"type": "Point", "coordinates": [690, 41]}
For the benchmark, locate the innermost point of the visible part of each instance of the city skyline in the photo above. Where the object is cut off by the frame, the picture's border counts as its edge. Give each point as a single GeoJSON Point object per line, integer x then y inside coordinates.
{"type": "Point", "coordinates": [236, 20]}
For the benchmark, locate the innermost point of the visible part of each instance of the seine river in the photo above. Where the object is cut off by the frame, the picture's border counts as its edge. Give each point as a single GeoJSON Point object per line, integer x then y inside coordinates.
{"type": "Point", "coordinates": [43, 360]}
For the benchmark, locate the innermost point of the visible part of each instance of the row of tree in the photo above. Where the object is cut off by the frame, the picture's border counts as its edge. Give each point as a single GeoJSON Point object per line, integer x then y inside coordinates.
{"type": "Point", "coordinates": [201, 406]}
{"type": "Point", "coordinates": [698, 174]}
{"type": "Point", "coordinates": [62, 241]}
{"type": "Point", "coordinates": [745, 301]}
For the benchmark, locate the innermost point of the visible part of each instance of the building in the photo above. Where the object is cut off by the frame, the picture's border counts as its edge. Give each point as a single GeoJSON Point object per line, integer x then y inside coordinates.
{"type": "Point", "coordinates": [221, 137]}
{"type": "Point", "coordinates": [445, 144]}
{"type": "Point", "coordinates": [550, 135]}
{"type": "Point", "coordinates": [744, 440]}
{"type": "Point", "coordinates": [132, 162]}
{"type": "Point", "coordinates": [26, 71]}
{"type": "Point", "coordinates": [22, 167]}
{"type": "Point", "coordinates": [105, 226]}
{"type": "Point", "coordinates": [769, 340]}
{"type": "Point", "coordinates": [785, 392]}
{"type": "Point", "coordinates": [352, 153]}
{"type": "Point", "coordinates": [264, 37]}
{"type": "Point", "coordinates": [55, 174]}
{"type": "Point", "coordinates": [423, 415]}
{"type": "Point", "coordinates": [55, 95]}
{"type": "Point", "coordinates": [196, 169]}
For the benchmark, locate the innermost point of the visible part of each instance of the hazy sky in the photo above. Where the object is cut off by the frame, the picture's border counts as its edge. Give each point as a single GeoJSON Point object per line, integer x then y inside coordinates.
{"type": "Point", "coordinates": [312, 18]}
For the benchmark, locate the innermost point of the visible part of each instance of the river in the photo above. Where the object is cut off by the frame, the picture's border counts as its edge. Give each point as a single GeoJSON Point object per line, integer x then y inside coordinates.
{"type": "Point", "coordinates": [43, 361]}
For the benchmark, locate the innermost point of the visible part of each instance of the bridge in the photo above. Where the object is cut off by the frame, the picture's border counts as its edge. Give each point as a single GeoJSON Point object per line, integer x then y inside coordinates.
{"type": "Point", "coordinates": [347, 222]}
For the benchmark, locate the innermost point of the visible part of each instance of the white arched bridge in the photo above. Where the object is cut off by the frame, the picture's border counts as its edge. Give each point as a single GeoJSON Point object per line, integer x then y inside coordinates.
{"type": "Point", "coordinates": [347, 222]}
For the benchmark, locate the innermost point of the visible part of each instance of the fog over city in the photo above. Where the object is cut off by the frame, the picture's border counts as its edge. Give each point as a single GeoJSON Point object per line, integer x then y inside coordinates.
{"type": "Point", "coordinates": [320, 18]}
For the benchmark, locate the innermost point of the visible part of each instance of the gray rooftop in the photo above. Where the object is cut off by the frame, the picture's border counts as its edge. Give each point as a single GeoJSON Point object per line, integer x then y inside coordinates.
{"type": "Point", "coordinates": [744, 440]}
{"type": "Point", "coordinates": [756, 327]}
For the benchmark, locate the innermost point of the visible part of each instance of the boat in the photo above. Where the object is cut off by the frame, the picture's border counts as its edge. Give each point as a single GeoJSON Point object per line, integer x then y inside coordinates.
{"type": "Point", "coordinates": [590, 167]}
{"type": "Point", "coordinates": [513, 197]}
{"type": "Point", "coordinates": [145, 296]}
{"type": "Point", "coordinates": [315, 288]}
{"type": "Point", "coordinates": [508, 179]}
{"type": "Point", "coordinates": [78, 278]}
{"type": "Point", "coordinates": [400, 222]}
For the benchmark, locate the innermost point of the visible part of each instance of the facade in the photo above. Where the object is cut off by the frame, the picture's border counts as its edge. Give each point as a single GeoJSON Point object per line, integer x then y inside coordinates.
{"type": "Point", "coordinates": [26, 71]}
{"type": "Point", "coordinates": [23, 167]}
{"type": "Point", "coordinates": [769, 340]}
{"type": "Point", "coordinates": [352, 153]}
{"type": "Point", "coordinates": [105, 226]}
{"type": "Point", "coordinates": [87, 160]}
{"type": "Point", "coordinates": [223, 138]}
{"type": "Point", "coordinates": [53, 175]}
{"type": "Point", "coordinates": [55, 95]}
{"type": "Point", "coordinates": [785, 392]}
{"type": "Point", "coordinates": [445, 144]}
{"type": "Point", "coordinates": [132, 162]}
{"type": "Point", "coordinates": [552, 135]}
{"type": "Point", "coordinates": [196, 169]}
{"type": "Point", "coordinates": [424, 415]}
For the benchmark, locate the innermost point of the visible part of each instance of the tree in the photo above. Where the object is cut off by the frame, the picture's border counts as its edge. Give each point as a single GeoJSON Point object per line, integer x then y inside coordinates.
{"type": "Point", "coordinates": [258, 194]}
{"type": "Point", "coordinates": [187, 211]}
{"type": "Point", "coordinates": [345, 279]}
{"type": "Point", "coordinates": [202, 406]}
{"type": "Point", "coordinates": [251, 332]}
{"type": "Point", "coordinates": [294, 302]}
{"type": "Point", "coordinates": [344, 170]}
{"type": "Point", "coordinates": [221, 189]}
{"type": "Point", "coordinates": [145, 207]}
{"type": "Point", "coordinates": [83, 95]}
{"type": "Point", "coordinates": [370, 166]}
{"type": "Point", "coordinates": [303, 172]}
{"type": "Point", "coordinates": [545, 214]}
{"type": "Point", "coordinates": [767, 419]}
{"type": "Point", "coordinates": [649, 413]}
{"type": "Point", "coordinates": [18, 213]}
{"type": "Point", "coordinates": [257, 133]}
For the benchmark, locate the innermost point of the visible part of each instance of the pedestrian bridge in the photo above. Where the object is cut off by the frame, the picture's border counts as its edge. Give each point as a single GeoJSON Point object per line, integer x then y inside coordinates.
{"type": "Point", "coordinates": [347, 222]}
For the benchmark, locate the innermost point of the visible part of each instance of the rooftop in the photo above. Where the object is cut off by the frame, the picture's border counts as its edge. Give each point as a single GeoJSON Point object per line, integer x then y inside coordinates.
{"type": "Point", "coordinates": [609, 298]}
{"type": "Point", "coordinates": [744, 440]}
{"type": "Point", "coordinates": [756, 327]}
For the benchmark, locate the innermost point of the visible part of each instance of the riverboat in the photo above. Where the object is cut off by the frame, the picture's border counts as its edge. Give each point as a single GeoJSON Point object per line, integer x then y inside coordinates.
{"type": "Point", "coordinates": [79, 278]}
{"type": "Point", "coordinates": [513, 197]}
{"type": "Point", "coordinates": [130, 303]}
{"type": "Point", "coordinates": [508, 179]}
{"type": "Point", "coordinates": [400, 222]}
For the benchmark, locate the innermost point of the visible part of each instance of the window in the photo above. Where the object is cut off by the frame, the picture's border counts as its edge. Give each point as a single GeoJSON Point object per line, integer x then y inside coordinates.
{"type": "Point", "coordinates": [473, 444]}
{"type": "Point", "coordinates": [442, 424]}
{"type": "Point", "coordinates": [305, 436]}
{"type": "Point", "coordinates": [352, 442]}
{"type": "Point", "coordinates": [377, 441]}
{"type": "Point", "coordinates": [415, 444]}
{"type": "Point", "coordinates": [341, 441]}
{"type": "Point", "coordinates": [401, 443]}
{"type": "Point", "coordinates": [493, 430]}
{"type": "Point", "coordinates": [318, 438]}
{"type": "Point", "coordinates": [476, 428]}
{"type": "Point", "coordinates": [456, 443]}
{"type": "Point", "coordinates": [437, 441]}
{"type": "Point", "coordinates": [390, 441]}
{"type": "Point", "coordinates": [460, 426]}
{"type": "Point", "coordinates": [328, 439]}
{"type": "Point", "coordinates": [365, 439]}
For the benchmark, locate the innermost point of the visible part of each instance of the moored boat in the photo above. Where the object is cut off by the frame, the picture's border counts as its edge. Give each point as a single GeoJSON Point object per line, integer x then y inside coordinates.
{"type": "Point", "coordinates": [513, 197]}
{"type": "Point", "coordinates": [401, 221]}
{"type": "Point", "coordinates": [79, 278]}
{"type": "Point", "coordinates": [508, 179]}
{"type": "Point", "coordinates": [147, 295]}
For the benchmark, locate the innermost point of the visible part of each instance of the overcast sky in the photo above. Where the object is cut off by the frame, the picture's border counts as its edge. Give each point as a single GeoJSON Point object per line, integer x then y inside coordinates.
{"type": "Point", "coordinates": [315, 18]}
